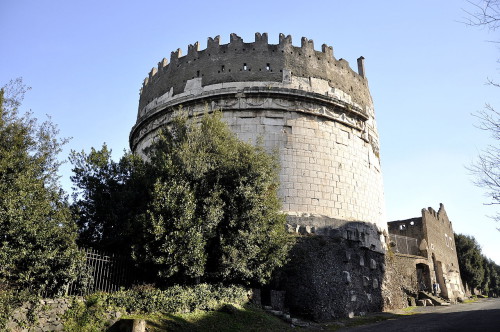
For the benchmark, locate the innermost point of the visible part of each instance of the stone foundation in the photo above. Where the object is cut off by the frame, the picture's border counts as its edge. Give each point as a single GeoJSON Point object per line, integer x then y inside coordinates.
{"type": "Point", "coordinates": [331, 277]}
{"type": "Point", "coordinates": [400, 288]}
{"type": "Point", "coordinates": [45, 315]}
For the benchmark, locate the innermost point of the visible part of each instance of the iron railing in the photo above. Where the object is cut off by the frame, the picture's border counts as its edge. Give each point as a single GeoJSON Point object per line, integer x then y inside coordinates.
{"type": "Point", "coordinates": [104, 272]}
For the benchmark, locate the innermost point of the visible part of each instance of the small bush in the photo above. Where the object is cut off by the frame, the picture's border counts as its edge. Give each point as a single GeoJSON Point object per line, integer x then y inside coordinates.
{"type": "Point", "coordinates": [88, 316]}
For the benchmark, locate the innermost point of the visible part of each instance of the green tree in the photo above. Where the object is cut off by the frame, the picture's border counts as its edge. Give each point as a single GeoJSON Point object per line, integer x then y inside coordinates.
{"type": "Point", "coordinates": [203, 206]}
{"type": "Point", "coordinates": [214, 212]}
{"type": "Point", "coordinates": [37, 234]}
{"type": "Point", "coordinates": [107, 196]}
{"type": "Point", "coordinates": [493, 277]}
{"type": "Point", "coordinates": [470, 260]}
{"type": "Point", "coordinates": [485, 285]}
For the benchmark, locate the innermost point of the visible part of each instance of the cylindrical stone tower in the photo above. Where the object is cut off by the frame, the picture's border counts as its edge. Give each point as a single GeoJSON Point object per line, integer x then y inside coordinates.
{"type": "Point", "coordinates": [315, 110]}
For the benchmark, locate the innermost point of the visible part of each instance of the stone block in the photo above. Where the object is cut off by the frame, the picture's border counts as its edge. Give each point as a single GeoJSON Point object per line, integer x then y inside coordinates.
{"type": "Point", "coordinates": [347, 277]}
{"type": "Point", "coordinates": [131, 325]}
{"type": "Point", "coordinates": [300, 323]}
{"type": "Point", "coordinates": [255, 296]}
{"type": "Point", "coordinates": [309, 229]}
{"type": "Point", "coordinates": [278, 300]}
{"type": "Point", "coordinates": [139, 325]}
{"type": "Point", "coordinates": [302, 230]}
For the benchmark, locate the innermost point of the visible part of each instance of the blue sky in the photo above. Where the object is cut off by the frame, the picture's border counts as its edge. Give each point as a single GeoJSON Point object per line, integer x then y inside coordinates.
{"type": "Point", "coordinates": [86, 60]}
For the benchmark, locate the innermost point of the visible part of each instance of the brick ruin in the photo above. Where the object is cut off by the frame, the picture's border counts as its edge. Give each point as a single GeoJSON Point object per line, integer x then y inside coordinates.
{"type": "Point", "coordinates": [426, 246]}
{"type": "Point", "coordinates": [318, 114]}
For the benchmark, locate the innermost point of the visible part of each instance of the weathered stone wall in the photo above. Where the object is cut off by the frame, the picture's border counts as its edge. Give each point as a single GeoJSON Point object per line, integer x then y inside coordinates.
{"type": "Point", "coordinates": [410, 227]}
{"type": "Point", "coordinates": [330, 277]}
{"type": "Point", "coordinates": [327, 169]}
{"type": "Point", "coordinates": [317, 114]}
{"type": "Point", "coordinates": [440, 238]}
{"type": "Point", "coordinates": [43, 316]}
{"type": "Point", "coordinates": [46, 315]}
{"type": "Point", "coordinates": [400, 282]}
{"type": "Point", "coordinates": [328, 147]}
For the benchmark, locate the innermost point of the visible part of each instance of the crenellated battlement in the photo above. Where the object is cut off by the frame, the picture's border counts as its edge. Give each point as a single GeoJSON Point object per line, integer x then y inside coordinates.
{"type": "Point", "coordinates": [257, 61]}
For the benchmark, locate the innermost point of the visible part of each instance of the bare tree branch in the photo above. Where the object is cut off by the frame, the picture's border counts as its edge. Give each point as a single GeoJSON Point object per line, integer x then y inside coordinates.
{"type": "Point", "coordinates": [485, 13]}
{"type": "Point", "coordinates": [486, 170]}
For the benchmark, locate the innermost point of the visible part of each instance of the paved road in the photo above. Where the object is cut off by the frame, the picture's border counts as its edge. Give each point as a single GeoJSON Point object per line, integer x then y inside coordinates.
{"type": "Point", "coordinates": [483, 316]}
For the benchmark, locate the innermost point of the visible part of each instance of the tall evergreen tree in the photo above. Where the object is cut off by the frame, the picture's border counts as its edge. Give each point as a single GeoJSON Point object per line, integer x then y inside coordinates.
{"type": "Point", "coordinates": [470, 260]}
{"type": "Point", "coordinates": [107, 195]}
{"type": "Point", "coordinates": [37, 234]}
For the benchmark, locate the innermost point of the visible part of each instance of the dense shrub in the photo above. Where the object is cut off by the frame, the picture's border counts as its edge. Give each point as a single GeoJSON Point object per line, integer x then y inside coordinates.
{"type": "Point", "coordinates": [93, 314]}
{"type": "Point", "coordinates": [147, 299]}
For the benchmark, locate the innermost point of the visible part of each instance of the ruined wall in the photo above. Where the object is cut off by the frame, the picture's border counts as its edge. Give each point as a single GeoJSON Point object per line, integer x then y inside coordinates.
{"type": "Point", "coordinates": [400, 288]}
{"type": "Point", "coordinates": [442, 250]}
{"type": "Point", "coordinates": [410, 227]}
{"type": "Point", "coordinates": [434, 233]}
{"type": "Point", "coordinates": [331, 277]}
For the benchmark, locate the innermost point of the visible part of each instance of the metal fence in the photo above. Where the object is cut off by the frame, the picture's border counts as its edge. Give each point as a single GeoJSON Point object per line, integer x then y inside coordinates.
{"type": "Point", "coordinates": [405, 245]}
{"type": "Point", "coordinates": [104, 272]}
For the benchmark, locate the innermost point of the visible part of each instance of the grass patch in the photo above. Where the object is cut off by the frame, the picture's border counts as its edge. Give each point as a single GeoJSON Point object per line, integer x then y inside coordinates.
{"type": "Point", "coordinates": [246, 318]}
{"type": "Point", "coordinates": [471, 300]}
{"type": "Point", "coordinates": [408, 311]}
